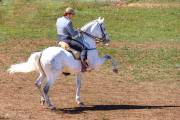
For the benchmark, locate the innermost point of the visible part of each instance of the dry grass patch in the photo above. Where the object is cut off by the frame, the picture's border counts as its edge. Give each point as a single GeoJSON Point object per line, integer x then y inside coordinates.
{"type": "Point", "coordinates": [154, 5]}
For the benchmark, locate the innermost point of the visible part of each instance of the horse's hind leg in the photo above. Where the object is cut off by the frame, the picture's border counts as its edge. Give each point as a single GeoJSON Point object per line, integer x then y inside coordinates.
{"type": "Point", "coordinates": [38, 83]}
{"type": "Point", "coordinates": [39, 80]}
{"type": "Point", "coordinates": [51, 77]}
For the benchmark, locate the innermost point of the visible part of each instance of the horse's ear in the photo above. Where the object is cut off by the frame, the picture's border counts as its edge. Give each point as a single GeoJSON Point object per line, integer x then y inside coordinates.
{"type": "Point", "coordinates": [102, 20]}
{"type": "Point", "coordinates": [99, 18]}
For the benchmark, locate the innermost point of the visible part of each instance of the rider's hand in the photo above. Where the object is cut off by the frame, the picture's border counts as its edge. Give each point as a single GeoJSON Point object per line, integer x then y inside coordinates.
{"type": "Point", "coordinates": [79, 30]}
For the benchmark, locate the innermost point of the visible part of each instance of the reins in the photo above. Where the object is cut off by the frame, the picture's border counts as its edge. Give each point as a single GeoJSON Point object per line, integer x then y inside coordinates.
{"type": "Point", "coordinates": [92, 36]}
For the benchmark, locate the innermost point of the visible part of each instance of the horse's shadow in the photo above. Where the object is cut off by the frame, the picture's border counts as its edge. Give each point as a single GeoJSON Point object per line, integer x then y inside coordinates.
{"type": "Point", "coordinates": [77, 110]}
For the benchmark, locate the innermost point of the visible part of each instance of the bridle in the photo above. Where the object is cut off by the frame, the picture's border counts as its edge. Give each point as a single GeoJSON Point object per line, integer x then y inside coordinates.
{"type": "Point", "coordinates": [97, 39]}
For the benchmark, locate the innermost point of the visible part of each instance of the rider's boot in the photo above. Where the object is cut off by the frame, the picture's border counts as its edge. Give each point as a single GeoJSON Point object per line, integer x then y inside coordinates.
{"type": "Point", "coordinates": [84, 66]}
{"type": "Point", "coordinates": [83, 62]}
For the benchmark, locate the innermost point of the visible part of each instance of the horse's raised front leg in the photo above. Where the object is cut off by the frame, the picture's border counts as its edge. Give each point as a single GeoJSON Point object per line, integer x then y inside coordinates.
{"type": "Point", "coordinates": [113, 62]}
{"type": "Point", "coordinates": [78, 87]}
{"type": "Point", "coordinates": [100, 61]}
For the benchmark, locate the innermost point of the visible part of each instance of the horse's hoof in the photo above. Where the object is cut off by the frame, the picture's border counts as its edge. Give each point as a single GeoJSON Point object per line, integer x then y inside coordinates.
{"type": "Point", "coordinates": [38, 85]}
{"type": "Point", "coordinates": [42, 101]}
{"type": "Point", "coordinates": [81, 104]}
{"type": "Point", "coordinates": [52, 108]}
{"type": "Point", "coordinates": [115, 70]}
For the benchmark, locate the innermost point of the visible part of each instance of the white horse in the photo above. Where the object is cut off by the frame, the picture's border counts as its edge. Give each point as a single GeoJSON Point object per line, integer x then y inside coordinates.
{"type": "Point", "coordinates": [53, 61]}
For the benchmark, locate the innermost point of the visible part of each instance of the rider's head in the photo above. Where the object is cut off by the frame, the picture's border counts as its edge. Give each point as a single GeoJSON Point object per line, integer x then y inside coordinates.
{"type": "Point", "coordinates": [69, 12]}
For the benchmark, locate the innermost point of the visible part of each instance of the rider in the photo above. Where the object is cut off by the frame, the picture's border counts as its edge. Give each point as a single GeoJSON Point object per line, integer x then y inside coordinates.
{"type": "Point", "coordinates": [68, 36]}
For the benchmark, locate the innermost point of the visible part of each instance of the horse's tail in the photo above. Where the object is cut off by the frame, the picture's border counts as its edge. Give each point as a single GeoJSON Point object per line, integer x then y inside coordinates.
{"type": "Point", "coordinates": [31, 65]}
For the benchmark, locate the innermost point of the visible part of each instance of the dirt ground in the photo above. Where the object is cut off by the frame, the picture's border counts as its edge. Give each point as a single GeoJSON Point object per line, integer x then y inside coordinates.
{"type": "Point", "coordinates": [107, 96]}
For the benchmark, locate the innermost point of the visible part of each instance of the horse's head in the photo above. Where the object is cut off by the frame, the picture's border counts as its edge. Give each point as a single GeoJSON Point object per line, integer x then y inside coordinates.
{"type": "Point", "coordinates": [96, 28]}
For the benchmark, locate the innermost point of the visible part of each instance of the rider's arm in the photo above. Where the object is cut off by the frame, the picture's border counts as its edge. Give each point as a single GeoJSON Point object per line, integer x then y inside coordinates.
{"type": "Point", "coordinates": [74, 33]}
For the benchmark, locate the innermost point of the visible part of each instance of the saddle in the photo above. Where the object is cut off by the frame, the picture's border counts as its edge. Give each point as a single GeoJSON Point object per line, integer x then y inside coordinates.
{"type": "Point", "coordinates": [76, 54]}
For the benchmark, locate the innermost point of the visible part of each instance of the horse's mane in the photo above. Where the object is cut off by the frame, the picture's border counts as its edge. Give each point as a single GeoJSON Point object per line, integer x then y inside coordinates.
{"type": "Point", "coordinates": [87, 26]}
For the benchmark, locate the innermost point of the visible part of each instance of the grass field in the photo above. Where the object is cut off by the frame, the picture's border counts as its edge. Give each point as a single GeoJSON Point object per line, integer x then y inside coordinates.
{"type": "Point", "coordinates": [27, 20]}
{"type": "Point", "coordinates": [145, 43]}
{"type": "Point", "coordinates": [37, 19]}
